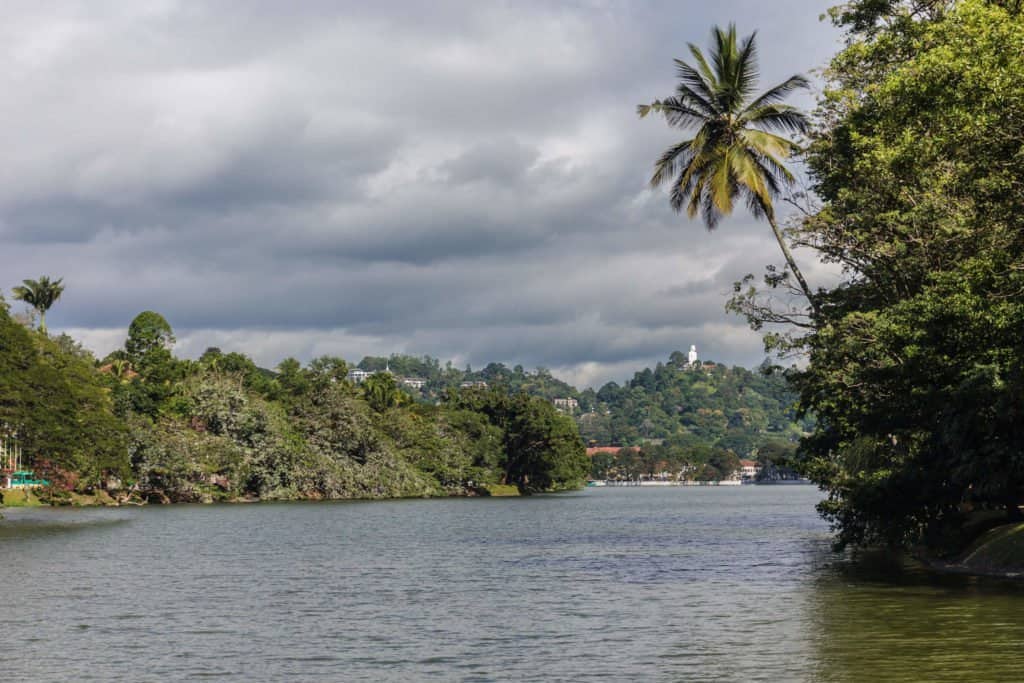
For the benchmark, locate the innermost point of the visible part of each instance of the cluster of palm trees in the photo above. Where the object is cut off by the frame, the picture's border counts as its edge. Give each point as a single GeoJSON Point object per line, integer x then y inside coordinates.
{"type": "Point", "coordinates": [41, 295]}
{"type": "Point", "coordinates": [739, 148]}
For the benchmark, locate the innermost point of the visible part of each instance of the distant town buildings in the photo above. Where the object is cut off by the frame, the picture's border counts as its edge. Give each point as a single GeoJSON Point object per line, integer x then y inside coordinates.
{"type": "Point", "coordinates": [478, 384]}
{"type": "Point", "coordinates": [566, 405]}
{"type": "Point", "coordinates": [358, 376]}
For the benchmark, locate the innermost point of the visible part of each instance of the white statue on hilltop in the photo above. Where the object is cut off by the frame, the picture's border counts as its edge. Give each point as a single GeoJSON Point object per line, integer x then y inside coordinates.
{"type": "Point", "coordinates": [692, 357]}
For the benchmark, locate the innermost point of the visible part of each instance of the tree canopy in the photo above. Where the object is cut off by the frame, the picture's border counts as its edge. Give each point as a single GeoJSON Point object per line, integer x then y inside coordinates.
{"type": "Point", "coordinates": [41, 295]}
{"type": "Point", "coordinates": [916, 360]}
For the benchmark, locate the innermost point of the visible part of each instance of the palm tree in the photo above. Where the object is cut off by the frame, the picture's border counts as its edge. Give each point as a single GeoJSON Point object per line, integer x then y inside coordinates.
{"type": "Point", "coordinates": [122, 369]}
{"type": "Point", "coordinates": [40, 295]}
{"type": "Point", "coordinates": [381, 391]}
{"type": "Point", "coordinates": [737, 151]}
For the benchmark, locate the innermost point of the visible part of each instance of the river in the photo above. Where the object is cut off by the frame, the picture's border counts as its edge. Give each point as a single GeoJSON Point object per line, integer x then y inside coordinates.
{"type": "Point", "coordinates": [625, 584]}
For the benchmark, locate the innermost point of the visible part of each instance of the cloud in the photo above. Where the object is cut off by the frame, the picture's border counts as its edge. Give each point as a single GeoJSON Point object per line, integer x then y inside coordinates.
{"type": "Point", "coordinates": [465, 179]}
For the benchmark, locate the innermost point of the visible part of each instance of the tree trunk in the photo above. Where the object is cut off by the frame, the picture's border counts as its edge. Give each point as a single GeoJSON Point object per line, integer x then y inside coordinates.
{"type": "Point", "coordinates": [790, 262]}
{"type": "Point", "coordinates": [42, 322]}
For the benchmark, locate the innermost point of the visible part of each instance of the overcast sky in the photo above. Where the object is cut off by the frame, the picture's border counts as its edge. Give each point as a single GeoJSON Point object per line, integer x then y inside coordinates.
{"type": "Point", "coordinates": [465, 180]}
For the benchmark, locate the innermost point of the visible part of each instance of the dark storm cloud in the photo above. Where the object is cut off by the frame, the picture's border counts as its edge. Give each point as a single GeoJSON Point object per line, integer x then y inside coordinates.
{"type": "Point", "coordinates": [460, 179]}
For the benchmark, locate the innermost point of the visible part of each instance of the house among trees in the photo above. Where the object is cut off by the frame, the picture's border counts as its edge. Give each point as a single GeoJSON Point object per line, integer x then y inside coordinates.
{"type": "Point", "coordinates": [413, 382]}
{"type": "Point", "coordinates": [478, 384]}
{"type": "Point", "coordinates": [749, 469]}
{"type": "Point", "coordinates": [358, 376]}
{"type": "Point", "coordinates": [566, 405]}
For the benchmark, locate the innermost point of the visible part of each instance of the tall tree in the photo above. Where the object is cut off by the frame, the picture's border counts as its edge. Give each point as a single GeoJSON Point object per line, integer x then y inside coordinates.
{"type": "Point", "coordinates": [148, 331]}
{"type": "Point", "coordinates": [41, 295]}
{"type": "Point", "coordinates": [381, 391]}
{"type": "Point", "coordinates": [916, 366]}
{"type": "Point", "coordinates": [737, 152]}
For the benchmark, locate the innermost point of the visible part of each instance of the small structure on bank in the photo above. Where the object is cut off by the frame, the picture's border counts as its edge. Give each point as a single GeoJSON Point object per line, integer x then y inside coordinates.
{"type": "Point", "coordinates": [12, 475]}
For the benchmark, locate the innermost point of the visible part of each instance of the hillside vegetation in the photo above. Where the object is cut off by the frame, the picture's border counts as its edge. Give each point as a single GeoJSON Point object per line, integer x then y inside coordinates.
{"type": "Point", "coordinates": [146, 426]}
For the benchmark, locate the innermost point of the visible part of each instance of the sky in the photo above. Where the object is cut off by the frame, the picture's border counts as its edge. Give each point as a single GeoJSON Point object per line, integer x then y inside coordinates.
{"type": "Point", "coordinates": [465, 180]}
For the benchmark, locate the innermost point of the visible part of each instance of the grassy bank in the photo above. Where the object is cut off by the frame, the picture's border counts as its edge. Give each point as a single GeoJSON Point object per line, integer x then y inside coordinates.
{"type": "Point", "coordinates": [19, 498]}
{"type": "Point", "coordinates": [501, 490]}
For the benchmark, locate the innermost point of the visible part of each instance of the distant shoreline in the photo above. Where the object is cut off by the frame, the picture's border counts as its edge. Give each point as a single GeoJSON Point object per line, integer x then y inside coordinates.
{"type": "Point", "coordinates": [600, 483]}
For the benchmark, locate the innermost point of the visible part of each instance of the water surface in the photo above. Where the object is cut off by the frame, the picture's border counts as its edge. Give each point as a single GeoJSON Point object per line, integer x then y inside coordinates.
{"type": "Point", "coordinates": [684, 584]}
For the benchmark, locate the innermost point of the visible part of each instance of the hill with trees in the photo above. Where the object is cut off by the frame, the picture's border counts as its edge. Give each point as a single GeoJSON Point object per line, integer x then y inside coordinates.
{"type": "Point", "coordinates": [701, 418]}
{"type": "Point", "coordinates": [144, 425]}
{"type": "Point", "coordinates": [705, 416]}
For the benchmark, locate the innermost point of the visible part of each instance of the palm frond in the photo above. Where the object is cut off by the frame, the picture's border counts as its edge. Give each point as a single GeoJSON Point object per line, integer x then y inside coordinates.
{"type": "Point", "coordinates": [702, 63]}
{"type": "Point", "coordinates": [23, 293]}
{"type": "Point", "coordinates": [750, 174]}
{"type": "Point", "coordinates": [775, 171]}
{"type": "Point", "coordinates": [779, 92]}
{"type": "Point", "coordinates": [723, 51]}
{"type": "Point", "coordinates": [764, 142]}
{"type": "Point", "coordinates": [778, 117]}
{"type": "Point", "coordinates": [693, 86]}
{"type": "Point", "coordinates": [677, 112]}
{"type": "Point", "coordinates": [709, 210]}
{"type": "Point", "coordinates": [670, 162]}
{"type": "Point", "coordinates": [689, 179]}
{"type": "Point", "coordinates": [722, 186]}
{"type": "Point", "coordinates": [746, 70]}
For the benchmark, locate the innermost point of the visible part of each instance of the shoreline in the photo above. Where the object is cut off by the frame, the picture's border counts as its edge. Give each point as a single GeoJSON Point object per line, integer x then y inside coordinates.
{"type": "Point", "coordinates": [105, 499]}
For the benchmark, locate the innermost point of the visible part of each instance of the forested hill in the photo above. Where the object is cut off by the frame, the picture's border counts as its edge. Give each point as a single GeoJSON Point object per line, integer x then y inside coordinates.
{"type": "Point", "coordinates": [142, 425]}
{"type": "Point", "coordinates": [707, 404]}
{"type": "Point", "coordinates": [538, 382]}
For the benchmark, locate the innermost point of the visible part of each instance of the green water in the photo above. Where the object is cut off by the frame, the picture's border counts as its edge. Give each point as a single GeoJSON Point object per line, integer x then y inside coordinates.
{"type": "Point", "coordinates": [689, 584]}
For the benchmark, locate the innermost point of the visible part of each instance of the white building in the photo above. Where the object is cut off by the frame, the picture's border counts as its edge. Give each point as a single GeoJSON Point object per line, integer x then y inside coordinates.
{"type": "Point", "coordinates": [358, 376]}
{"type": "Point", "coordinates": [749, 469]}
{"type": "Point", "coordinates": [414, 382]}
{"type": "Point", "coordinates": [566, 405]}
{"type": "Point", "coordinates": [692, 356]}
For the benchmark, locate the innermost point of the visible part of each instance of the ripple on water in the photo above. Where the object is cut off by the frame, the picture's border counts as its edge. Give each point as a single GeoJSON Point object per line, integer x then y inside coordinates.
{"type": "Point", "coordinates": [609, 584]}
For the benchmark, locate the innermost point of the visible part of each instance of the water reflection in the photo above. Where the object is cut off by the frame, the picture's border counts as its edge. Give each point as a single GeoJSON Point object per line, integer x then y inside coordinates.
{"type": "Point", "coordinates": [24, 524]}
{"type": "Point", "coordinates": [883, 619]}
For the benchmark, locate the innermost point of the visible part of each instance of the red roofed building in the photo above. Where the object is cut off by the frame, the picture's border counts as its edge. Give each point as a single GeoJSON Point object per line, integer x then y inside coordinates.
{"type": "Point", "coordinates": [749, 469]}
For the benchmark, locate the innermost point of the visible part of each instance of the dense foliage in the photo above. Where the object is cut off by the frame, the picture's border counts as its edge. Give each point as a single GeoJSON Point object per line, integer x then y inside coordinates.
{"type": "Point", "coordinates": [708, 404]}
{"type": "Point", "coordinates": [438, 379]}
{"type": "Point", "coordinates": [916, 365]}
{"type": "Point", "coordinates": [144, 424]}
{"type": "Point", "coordinates": [57, 404]}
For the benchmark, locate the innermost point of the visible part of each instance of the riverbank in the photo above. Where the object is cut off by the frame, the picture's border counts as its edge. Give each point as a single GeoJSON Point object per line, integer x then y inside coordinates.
{"type": "Point", "coordinates": [20, 498]}
{"type": "Point", "coordinates": [999, 552]}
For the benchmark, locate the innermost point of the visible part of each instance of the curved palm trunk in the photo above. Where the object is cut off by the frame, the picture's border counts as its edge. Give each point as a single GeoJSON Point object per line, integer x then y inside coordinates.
{"type": "Point", "coordinates": [791, 263]}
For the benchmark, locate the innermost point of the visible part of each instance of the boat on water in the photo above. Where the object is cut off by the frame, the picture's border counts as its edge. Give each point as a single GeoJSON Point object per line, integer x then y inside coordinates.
{"type": "Point", "coordinates": [597, 482]}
